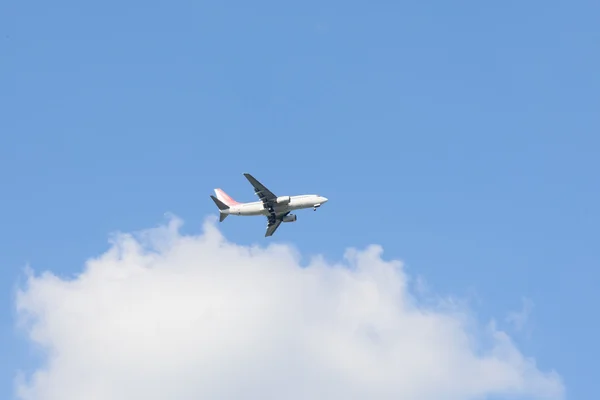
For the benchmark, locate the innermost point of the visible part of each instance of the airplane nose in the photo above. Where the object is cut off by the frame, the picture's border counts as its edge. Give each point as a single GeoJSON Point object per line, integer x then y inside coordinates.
{"type": "Point", "coordinates": [324, 199]}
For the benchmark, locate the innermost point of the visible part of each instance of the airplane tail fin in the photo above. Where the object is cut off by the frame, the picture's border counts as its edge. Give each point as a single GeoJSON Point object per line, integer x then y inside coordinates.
{"type": "Point", "coordinates": [225, 198]}
{"type": "Point", "coordinates": [222, 206]}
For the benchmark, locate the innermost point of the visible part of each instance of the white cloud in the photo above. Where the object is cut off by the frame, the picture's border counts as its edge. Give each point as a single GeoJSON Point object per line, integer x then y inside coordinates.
{"type": "Point", "coordinates": [167, 316]}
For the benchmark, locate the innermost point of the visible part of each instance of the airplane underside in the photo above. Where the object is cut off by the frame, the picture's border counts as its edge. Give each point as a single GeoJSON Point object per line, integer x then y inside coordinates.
{"type": "Point", "coordinates": [268, 212]}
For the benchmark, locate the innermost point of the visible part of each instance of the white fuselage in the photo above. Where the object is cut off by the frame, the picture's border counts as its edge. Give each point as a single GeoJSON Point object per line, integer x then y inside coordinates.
{"type": "Point", "coordinates": [284, 204]}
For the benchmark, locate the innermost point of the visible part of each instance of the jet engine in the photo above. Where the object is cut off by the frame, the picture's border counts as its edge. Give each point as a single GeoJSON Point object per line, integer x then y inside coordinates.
{"type": "Point", "coordinates": [289, 218]}
{"type": "Point", "coordinates": [283, 199]}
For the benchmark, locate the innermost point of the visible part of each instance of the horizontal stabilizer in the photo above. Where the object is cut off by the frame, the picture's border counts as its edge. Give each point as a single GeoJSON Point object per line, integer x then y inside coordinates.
{"type": "Point", "coordinates": [219, 203]}
{"type": "Point", "coordinates": [222, 217]}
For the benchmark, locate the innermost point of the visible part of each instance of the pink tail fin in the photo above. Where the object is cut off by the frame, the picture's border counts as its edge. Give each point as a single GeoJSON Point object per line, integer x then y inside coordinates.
{"type": "Point", "coordinates": [225, 198]}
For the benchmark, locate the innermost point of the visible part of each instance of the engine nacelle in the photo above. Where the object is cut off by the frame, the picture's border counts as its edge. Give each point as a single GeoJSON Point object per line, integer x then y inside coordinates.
{"type": "Point", "coordinates": [283, 200]}
{"type": "Point", "coordinates": [289, 218]}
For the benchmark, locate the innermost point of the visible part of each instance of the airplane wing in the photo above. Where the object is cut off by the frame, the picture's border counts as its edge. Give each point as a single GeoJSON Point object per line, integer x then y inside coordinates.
{"type": "Point", "coordinates": [260, 190]}
{"type": "Point", "coordinates": [268, 198]}
{"type": "Point", "coordinates": [274, 222]}
{"type": "Point", "coordinates": [271, 228]}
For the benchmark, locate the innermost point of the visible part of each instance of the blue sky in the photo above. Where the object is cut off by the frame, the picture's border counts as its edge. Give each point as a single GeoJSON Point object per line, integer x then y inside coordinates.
{"type": "Point", "coordinates": [460, 137]}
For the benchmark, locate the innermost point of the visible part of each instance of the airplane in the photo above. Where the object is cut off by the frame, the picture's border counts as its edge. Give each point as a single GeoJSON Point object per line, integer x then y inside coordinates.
{"type": "Point", "coordinates": [277, 209]}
